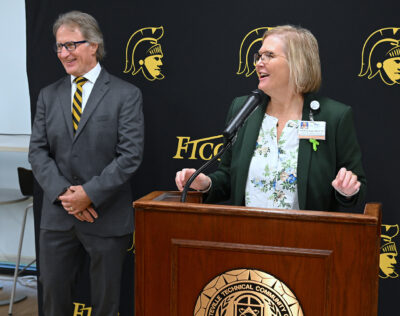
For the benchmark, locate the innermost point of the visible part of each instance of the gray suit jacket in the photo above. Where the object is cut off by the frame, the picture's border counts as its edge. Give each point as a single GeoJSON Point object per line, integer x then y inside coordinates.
{"type": "Point", "coordinates": [102, 156]}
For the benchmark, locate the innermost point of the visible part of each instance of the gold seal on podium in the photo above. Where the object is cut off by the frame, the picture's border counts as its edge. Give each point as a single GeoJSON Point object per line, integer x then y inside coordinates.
{"type": "Point", "coordinates": [247, 292]}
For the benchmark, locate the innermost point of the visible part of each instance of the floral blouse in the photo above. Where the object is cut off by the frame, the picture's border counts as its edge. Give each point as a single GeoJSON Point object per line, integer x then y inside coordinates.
{"type": "Point", "coordinates": [272, 178]}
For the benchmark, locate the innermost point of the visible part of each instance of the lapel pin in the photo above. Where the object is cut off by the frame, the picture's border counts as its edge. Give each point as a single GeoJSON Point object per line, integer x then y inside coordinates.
{"type": "Point", "coordinates": [314, 105]}
{"type": "Point", "coordinates": [314, 143]}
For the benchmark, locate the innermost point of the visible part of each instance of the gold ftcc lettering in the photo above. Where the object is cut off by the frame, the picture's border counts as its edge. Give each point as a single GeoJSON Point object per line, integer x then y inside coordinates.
{"type": "Point", "coordinates": [247, 50]}
{"type": "Point", "coordinates": [387, 260]}
{"type": "Point", "coordinates": [381, 55]}
{"type": "Point", "coordinates": [81, 310]}
{"type": "Point", "coordinates": [203, 148]}
{"type": "Point", "coordinates": [144, 54]}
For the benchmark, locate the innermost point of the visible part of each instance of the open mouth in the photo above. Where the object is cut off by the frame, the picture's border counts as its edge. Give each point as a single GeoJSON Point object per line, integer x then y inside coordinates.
{"type": "Point", "coordinates": [68, 62]}
{"type": "Point", "coordinates": [263, 75]}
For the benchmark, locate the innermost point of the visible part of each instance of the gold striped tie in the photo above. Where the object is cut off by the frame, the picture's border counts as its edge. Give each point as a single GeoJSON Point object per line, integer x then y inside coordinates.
{"type": "Point", "coordinates": [77, 102]}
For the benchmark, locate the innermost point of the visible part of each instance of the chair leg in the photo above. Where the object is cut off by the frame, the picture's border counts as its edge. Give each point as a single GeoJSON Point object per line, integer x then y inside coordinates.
{"type": "Point", "coordinates": [27, 266]}
{"type": "Point", "coordinates": [21, 239]}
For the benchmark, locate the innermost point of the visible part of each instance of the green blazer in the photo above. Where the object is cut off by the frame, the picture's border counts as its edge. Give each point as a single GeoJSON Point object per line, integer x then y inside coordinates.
{"type": "Point", "coordinates": [315, 169]}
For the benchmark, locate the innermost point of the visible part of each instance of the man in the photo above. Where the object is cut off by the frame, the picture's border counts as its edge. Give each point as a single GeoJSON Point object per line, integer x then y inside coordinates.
{"type": "Point", "coordinates": [87, 141]}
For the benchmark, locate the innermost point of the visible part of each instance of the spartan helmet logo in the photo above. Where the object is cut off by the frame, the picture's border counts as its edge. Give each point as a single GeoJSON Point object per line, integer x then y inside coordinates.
{"type": "Point", "coordinates": [388, 254]}
{"type": "Point", "coordinates": [248, 305]}
{"type": "Point", "coordinates": [381, 55]}
{"type": "Point", "coordinates": [144, 53]}
{"type": "Point", "coordinates": [248, 49]}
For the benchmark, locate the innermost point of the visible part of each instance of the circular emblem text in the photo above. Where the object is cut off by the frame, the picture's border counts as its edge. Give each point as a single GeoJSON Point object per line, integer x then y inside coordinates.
{"type": "Point", "coordinates": [247, 292]}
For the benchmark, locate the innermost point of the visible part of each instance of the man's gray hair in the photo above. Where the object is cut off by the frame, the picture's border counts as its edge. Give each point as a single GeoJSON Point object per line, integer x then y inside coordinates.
{"type": "Point", "coordinates": [87, 25]}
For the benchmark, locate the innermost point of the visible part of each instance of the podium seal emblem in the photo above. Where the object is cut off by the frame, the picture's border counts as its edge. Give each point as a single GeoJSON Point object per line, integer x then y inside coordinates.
{"type": "Point", "coordinates": [247, 292]}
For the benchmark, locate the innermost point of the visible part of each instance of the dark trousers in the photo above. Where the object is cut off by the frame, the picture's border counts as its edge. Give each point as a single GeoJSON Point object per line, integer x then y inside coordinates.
{"type": "Point", "coordinates": [61, 258]}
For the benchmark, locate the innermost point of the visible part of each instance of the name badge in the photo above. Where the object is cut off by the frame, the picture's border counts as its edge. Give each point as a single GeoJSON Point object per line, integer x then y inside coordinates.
{"type": "Point", "coordinates": [312, 129]}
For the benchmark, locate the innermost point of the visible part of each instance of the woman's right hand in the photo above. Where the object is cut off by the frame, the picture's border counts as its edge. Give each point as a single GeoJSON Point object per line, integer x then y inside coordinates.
{"type": "Point", "coordinates": [201, 183]}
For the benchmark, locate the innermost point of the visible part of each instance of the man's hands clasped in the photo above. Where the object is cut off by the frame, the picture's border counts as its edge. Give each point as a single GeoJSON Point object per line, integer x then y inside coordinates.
{"type": "Point", "coordinates": [77, 203]}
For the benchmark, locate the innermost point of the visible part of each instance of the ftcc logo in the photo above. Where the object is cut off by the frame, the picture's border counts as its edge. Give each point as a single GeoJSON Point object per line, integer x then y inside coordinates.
{"type": "Point", "coordinates": [247, 50]}
{"type": "Point", "coordinates": [143, 53]}
{"type": "Point", "coordinates": [203, 148]}
{"type": "Point", "coordinates": [388, 254]}
{"type": "Point", "coordinates": [381, 55]}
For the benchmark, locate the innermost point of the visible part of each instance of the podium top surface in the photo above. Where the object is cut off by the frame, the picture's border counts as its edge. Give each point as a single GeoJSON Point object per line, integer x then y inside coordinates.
{"type": "Point", "coordinates": [169, 201]}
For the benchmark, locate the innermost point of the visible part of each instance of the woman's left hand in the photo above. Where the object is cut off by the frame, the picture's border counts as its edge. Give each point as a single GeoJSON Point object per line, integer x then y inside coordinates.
{"type": "Point", "coordinates": [346, 182]}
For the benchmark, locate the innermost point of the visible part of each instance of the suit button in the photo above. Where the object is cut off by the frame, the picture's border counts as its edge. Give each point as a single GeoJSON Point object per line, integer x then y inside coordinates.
{"type": "Point", "coordinates": [75, 178]}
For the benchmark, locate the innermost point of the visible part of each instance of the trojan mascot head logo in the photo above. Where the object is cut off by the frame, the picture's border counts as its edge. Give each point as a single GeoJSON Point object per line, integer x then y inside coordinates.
{"type": "Point", "coordinates": [381, 55]}
{"type": "Point", "coordinates": [388, 254]}
{"type": "Point", "coordinates": [247, 50]}
{"type": "Point", "coordinates": [143, 53]}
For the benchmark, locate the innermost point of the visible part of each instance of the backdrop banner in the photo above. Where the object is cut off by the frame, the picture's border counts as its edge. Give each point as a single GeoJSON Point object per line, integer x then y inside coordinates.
{"type": "Point", "coordinates": [191, 58]}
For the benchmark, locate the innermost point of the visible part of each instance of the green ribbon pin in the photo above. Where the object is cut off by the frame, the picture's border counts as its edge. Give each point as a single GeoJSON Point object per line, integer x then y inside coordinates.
{"type": "Point", "coordinates": [314, 143]}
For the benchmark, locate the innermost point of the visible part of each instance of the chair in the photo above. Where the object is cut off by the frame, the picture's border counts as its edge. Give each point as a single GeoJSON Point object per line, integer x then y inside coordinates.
{"type": "Point", "coordinates": [25, 178]}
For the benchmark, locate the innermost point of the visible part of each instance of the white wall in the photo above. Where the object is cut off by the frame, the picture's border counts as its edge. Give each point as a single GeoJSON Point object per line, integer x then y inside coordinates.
{"type": "Point", "coordinates": [14, 119]}
{"type": "Point", "coordinates": [15, 104]}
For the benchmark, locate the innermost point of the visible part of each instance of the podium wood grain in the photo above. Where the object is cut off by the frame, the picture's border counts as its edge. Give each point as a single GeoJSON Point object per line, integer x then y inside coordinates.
{"type": "Point", "coordinates": [329, 260]}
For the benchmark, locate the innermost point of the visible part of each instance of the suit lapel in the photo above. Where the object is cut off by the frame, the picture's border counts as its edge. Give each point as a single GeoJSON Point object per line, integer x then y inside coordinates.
{"type": "Point", "coordinates": [64, 96]}
{"type": "Point", "coordinates": [99, 90]}
{"type": "Point", "coordinates": [304, 158]}
{"type": "Point", "coordinates": [251, 131]}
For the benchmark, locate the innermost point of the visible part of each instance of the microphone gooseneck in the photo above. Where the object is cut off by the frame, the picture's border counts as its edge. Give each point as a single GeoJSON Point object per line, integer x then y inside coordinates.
{"type": "Point", "coordinates": [198, 171]}
{"type": "Point", "coordinates": [254, 100]}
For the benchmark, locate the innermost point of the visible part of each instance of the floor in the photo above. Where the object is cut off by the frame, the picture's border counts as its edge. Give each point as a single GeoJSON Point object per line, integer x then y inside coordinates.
{"type": "Point", "coordinates": [26, 307]}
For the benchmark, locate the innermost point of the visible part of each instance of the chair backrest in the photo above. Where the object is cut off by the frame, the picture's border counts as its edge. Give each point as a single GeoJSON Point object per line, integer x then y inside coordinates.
{"type": "Point", "coordinates": [25, 178]}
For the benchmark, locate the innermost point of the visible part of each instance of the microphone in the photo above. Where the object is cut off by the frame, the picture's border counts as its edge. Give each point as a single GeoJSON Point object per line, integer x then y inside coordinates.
{"type": "Point", "coordinates": [254, 100]}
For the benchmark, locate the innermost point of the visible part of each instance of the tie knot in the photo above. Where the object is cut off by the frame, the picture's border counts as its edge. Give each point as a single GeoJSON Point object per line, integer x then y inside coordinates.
{"type": "Point", "coordinates": [80, 80]}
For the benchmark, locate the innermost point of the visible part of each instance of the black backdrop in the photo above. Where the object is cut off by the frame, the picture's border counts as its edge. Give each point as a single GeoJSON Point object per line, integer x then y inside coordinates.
{"type": "Point", "coordinates": [200, 60]}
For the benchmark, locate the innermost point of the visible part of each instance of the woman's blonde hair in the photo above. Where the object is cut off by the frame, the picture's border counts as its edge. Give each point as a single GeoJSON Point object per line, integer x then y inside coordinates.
{"type": "Point", "coordinates": [301, 48]}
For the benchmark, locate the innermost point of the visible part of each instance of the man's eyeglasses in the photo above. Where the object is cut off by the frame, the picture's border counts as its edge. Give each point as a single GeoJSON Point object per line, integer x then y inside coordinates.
{"type": "Point", "coordinates": [69, 46]}
{"type": "Point", "coordinates": [265, 57]}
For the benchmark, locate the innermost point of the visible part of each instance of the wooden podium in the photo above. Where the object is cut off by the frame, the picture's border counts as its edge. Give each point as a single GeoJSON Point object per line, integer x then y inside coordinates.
{"type": "Point", "coordinates": [329, 261]}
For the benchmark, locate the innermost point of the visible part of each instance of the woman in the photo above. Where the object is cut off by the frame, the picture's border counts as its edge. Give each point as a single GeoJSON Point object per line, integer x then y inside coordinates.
{"type": "Point", "coordinates": [272, 163]}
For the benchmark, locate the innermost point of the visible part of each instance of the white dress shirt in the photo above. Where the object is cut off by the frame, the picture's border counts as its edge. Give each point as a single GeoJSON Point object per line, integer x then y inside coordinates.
{"type": "Point", "coordinates": [92, 76]}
